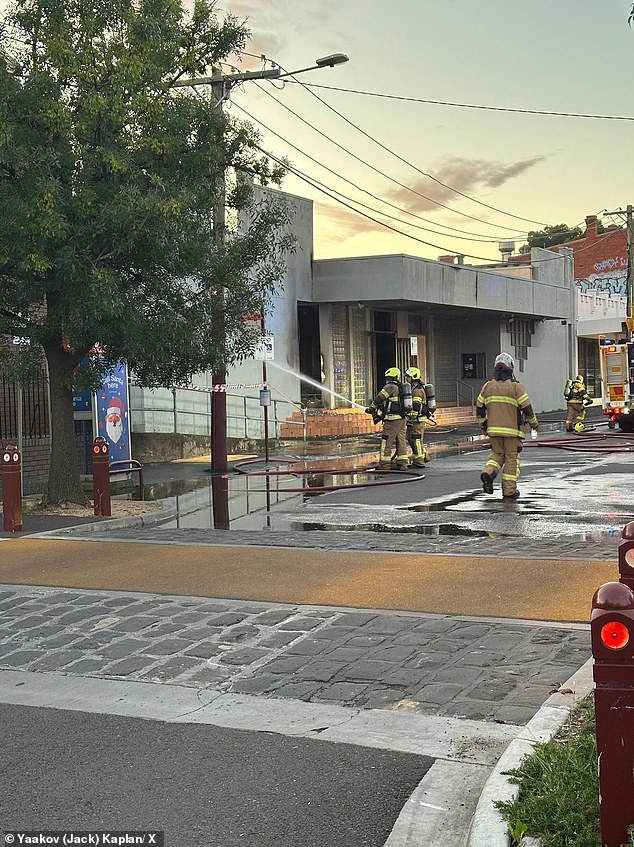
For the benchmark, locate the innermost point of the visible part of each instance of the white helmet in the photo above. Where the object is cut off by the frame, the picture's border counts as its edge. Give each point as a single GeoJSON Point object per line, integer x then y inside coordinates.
{"type": "Point", "coordinates": [504, 361]}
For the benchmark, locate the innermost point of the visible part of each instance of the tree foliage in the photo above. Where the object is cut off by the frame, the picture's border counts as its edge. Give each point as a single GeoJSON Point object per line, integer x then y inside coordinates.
{"type": "Point", "coordinates": [551, 235]}
{"type": "Point", "coordinates": [110, 179]}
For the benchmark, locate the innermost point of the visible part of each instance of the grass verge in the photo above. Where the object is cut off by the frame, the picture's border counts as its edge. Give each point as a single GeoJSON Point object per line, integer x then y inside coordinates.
{"type": "Point", "coordinates": [558, 800]}
{"type": "Point", "coordinates": [558, 783]}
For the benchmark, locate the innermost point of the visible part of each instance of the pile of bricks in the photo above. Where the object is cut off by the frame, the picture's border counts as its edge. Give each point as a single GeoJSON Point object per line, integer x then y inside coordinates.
{"type": "Point", "coordinates": [337, 423]}
{"type": "Point", "coordinates": [330, 423]}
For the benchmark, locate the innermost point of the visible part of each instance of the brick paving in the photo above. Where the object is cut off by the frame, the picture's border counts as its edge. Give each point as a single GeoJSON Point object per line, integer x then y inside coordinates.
{"type": "Point", "coordinates": [483, 669]}
{"type": "Point", "coordinates": [603, 548]}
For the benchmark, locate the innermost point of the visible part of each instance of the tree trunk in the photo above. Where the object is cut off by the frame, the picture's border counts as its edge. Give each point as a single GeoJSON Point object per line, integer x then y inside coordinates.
{"type": "Point", "coordinates": [64, 483]}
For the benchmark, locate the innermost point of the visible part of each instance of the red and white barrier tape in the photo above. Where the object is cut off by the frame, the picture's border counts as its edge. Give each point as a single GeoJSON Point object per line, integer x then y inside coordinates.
{"type": "Point", "coordinates": [220, 386]}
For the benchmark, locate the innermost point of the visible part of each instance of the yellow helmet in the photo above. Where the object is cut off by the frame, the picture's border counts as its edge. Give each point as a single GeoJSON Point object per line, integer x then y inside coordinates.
{"type": "Point", "coordinates": [578, 427]}
{"type": "Point", "coordinates": [413, 372]}
{"type": "Point", "coordinates": [393, 373]}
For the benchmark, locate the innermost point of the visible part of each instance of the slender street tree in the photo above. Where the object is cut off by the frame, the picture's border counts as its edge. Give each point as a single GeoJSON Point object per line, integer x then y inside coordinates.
{"type": "Point", "coordinates": [109, 178]}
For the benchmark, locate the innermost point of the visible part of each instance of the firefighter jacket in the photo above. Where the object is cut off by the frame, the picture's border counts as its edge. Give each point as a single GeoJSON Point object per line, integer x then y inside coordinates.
{"type": "Point", "coordinates": [579, 393]}
{"type": "Point", "coordinates": [389, 401]}
{"type": "Point", "coordinates": [502, 405]}
{"type": "Point", "coordinates": [420, 410]}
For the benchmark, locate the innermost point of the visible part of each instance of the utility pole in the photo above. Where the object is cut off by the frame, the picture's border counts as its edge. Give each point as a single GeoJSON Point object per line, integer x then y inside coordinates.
{"type": "Point", "coordinates": [219, 377]}
{"type": "Point", "coordinates": [221, 85]}
{"type": "Point", "coordinates": [630, 270]}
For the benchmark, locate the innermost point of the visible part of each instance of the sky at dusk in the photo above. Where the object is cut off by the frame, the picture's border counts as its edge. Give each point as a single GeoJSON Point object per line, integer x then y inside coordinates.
{"type": "Point", "coordinates": [460, 179]}
{"type": "Point", "coordinates": [391, 174]}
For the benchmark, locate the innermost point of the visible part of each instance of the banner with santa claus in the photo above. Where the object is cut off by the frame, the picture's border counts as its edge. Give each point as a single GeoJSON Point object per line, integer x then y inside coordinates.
{"type": "Point", "coordinates": [113, 413]}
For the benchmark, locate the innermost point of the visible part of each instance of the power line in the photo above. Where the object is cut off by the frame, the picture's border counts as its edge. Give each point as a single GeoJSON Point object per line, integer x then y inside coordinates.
{"type": "Point", "coordinates": [318, 186]}
{"type": "Point", "coordinates": [376, 170]}
{"type": "Point", "coordinates": [463, 234]}
{"type": "Point", "coordinates": [467, 105]}
{"type": "Point", "coordinates": [414, 167]}
{"type": "Point", "coordinates": [327, 191]}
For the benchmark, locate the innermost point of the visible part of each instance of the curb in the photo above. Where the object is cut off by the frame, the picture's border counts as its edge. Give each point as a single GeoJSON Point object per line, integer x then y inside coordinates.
{"type": "Point", "coordinates": [488, 827]}
{"type": "Point", "coordinates": [99, 527]}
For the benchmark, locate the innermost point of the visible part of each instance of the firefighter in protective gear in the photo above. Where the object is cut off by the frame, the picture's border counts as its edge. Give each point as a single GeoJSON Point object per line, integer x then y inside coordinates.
{"type": "Point", "coordinates": [501, 407]}
{"type": "Point", "coordinates": [389, 402]}
{"type": "Point", "coordinates": [577, 399]}
{"type": "Point", "coordinates": [416, 419]}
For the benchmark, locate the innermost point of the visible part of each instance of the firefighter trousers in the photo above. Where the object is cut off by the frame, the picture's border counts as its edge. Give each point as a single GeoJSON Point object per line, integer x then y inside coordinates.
{"type": "Point", "coordinates": [393, 439]}
{"type": "Point", "coordinates": [415, 434]}
{"type": "Point", "coordinates": [505, 458]}
{"type": "Point", "coordinates": [576, 414]}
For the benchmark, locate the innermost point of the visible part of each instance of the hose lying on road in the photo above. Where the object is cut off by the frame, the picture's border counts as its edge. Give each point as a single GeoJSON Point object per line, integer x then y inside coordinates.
{"type": "Point", "coordinates": [315, 468]}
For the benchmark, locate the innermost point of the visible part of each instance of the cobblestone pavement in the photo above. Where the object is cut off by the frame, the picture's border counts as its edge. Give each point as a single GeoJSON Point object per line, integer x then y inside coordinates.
{"type": "Point", "coordinates": [483, 669]}
{"type": "Point", "coordinates": [603, 548]}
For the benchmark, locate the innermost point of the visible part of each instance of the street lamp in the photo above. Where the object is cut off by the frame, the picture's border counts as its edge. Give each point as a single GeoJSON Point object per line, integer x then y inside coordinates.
{"type": "Point", "coordinates": [221, 85]}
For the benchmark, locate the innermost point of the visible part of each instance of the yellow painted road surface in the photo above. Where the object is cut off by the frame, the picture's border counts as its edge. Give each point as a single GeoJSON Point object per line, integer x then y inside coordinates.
{"type": "Point", "coordinates": [546, 589]}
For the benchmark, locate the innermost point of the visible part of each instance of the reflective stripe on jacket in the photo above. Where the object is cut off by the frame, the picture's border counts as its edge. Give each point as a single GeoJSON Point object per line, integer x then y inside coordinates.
{"type": "Point", "coordinates": [389, 399]}
{"type": "Point", "coordinates": [499, 404]}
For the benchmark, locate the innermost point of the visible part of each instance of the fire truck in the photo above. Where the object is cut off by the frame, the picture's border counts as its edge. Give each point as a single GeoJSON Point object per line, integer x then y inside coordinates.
{"type": "Point", "coordinates": [617, 376]}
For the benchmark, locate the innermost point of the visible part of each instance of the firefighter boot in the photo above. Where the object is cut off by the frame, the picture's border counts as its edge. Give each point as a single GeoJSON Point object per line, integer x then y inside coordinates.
{"type": "Point", "coordinates": [487, 483]}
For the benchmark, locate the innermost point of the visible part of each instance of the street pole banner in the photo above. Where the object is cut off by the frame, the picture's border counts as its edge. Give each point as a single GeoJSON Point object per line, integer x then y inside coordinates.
{"type": "Point", "coordinates": [113, 412]}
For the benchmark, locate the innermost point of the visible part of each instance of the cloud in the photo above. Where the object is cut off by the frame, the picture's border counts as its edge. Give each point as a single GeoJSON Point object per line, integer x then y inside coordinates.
{"type": "Point", "coordinates": [340, 223]}
{"type": "Point", "coordinates": [468, 176]}
{"type": "Point", "coordinates": [274, 24]}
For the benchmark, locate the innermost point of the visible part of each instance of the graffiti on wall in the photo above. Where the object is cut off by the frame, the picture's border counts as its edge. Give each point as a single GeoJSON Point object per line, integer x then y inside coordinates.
{"type": "Point", "coordinates": [609, 277]}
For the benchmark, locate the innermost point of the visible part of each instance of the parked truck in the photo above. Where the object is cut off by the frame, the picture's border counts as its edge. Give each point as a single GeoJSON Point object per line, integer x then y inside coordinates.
{"type": "Point", "coordinates": [617, 377]}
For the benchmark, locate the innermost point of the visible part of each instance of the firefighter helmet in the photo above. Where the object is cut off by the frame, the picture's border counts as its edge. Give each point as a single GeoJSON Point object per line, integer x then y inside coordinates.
{"type": "Point", "coordinates": [393, 373]}
{"type": "Point", "coordinates": [504, 361]}
{"type": "Point", "coordinates": [413, 372]}
{"type": "Point", "coordinates": [579, 378]}
{"type": "Point", "coordinates": [578, 427]}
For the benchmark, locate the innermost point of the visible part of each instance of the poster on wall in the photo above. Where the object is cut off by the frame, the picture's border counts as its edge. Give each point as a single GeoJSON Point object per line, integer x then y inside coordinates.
{"type": "Point", "coordinates": [113, 413]}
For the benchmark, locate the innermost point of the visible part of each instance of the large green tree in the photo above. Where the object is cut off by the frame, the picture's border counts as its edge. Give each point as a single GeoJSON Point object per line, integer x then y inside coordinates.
{"type": "Point", "coordinates": [110, 178]}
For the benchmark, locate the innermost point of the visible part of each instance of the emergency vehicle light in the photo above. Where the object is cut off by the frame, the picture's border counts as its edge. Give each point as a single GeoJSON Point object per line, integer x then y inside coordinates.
{"type": "Point", "coordinates": [612, 348]}
{"type": "Point", "coordinates": [615, 635]}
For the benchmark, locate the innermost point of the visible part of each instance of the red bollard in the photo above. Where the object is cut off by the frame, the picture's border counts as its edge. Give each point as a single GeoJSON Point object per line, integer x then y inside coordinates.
{"type": "Point", "coordinates": [101, 476]}
{"type": "Point", "coordinates": [11, 489]}
{"type": "Point", "coordinates": [626, 555]}
{"type": "Point", "coordinates": [612, 629]}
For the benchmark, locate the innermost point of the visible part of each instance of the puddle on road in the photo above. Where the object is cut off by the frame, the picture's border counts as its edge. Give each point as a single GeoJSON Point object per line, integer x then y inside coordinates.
{"type": "Point", "coordinates": [582, 507]}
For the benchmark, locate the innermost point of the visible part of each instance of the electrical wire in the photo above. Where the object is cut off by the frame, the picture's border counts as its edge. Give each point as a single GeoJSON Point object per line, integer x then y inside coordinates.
{"type": "Point", "coordinates": [318, 186]}
{"type": "Point", "coordinates": [376, 170]}
{"type": "Point", "coordinates": [409, 164]}
{"type": "Point", "coordinates": [307, 87]}
{"type": "Point", "coordinates": [327, 191]}
{"type": "Point", "coordinates": [468, 105]}
{"type": "Point", "coordinates": [464, 234]}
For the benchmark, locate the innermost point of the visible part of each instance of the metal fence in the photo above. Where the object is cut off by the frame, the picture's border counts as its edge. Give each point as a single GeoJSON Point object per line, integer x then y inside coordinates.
{"type": "Point", "coordinates": [24, 409]}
